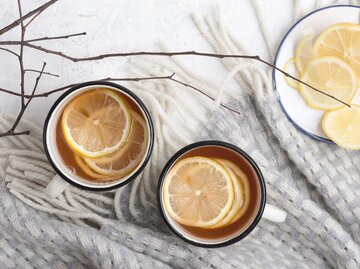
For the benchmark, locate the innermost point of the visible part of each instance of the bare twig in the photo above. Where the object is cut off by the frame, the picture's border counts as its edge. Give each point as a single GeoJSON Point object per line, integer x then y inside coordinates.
{"type": "Point", "coordinates": [21, 60]}
{"type": "Point", "coordinates": [55, 37]}
{"type": "Point", "coordinates": [202, 92]}
{"type": "Point", "coordinates": [12, 92]}
{"type": "Point", "coordinates": [10, 51]}
{"type": "Point", "coordinates": [33, 18]}
{"type": "Point", "coordinates": [26, 16]}
{"type": "Point", "coordinates": [176, 53]}
{"type": "Point", "coordinates": [45, 38]}
{"type": "Point", "coordinates": [37, 71]}
{"type": "Point", "coordinates": [23, 108]}
{"type": "Point", "coordinates": [129, 54]}
{"type": "Point", "coordinates": [136, 79]}
{"type": "Point", "coordinates": [46, 94]}
{"type": "Point", "coordinates": [11, 133]}
{"type": "Point", "coordinates": [36, 83]}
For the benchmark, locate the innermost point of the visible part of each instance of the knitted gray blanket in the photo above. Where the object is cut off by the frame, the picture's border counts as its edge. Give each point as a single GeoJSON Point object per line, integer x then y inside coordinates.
{"type": "Point", "coordinates": [317, 184]}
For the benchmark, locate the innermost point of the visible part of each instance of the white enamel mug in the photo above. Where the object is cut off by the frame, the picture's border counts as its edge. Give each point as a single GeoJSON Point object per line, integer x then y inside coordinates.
{"type": "Point", "coordinates": [64, 175]}
{"type": "Point", "coordinates": [214, 237]}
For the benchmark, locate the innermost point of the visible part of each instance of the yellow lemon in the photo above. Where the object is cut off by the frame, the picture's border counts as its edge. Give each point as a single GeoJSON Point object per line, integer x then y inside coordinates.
{"type": "Point", "coordinates": [304, 53]}
{"type": "Point", "coordinates": [332, 76]}
{"type": "Point", "coordinates": [198, 191]}
{"type": "Point", "coordinates": [244, 181]}
{"type": "Point", "coordinates": [290, 68]}
{"type": "Point", "coordinates": [343, 126]}
{"type": "Point", "coordinates": [96, 123]}
{"type": "Point", "coordinates": [238, 198]}
{"type": "Point", "coordinates": [127, 158]}
{"type": "Point", "coordinates": [341, 40]}
{"type": "Point", "coordinates": [81, 163]}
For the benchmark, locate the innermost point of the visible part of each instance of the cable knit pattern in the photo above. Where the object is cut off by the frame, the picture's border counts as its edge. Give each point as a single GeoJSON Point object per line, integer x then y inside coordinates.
{"type": "Point", "coordinates": [317, 184]}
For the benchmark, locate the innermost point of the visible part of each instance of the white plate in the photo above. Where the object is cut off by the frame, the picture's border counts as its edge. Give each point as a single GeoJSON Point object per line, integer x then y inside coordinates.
{"type": "Point", "coordinates": [306, 119]}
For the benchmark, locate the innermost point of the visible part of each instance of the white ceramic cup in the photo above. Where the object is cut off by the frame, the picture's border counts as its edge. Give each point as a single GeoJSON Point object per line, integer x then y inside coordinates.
{"type": "Point", "coordinates": [64, 175]}
{"type": "Point", "coordinates": [261, 208]}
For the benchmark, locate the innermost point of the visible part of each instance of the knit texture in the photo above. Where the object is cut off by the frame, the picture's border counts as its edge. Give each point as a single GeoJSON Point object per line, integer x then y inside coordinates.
{"type": "Point", "coordinates": [317, 184]}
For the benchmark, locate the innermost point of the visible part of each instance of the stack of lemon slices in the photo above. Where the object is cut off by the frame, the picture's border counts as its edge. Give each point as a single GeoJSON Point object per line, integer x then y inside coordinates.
{"type": "Point", "coordinates": [206, 193]}
{"type": "Point", "coordinates": [107, 136]}
{"type": "Point", "coordinates": [331, 64]}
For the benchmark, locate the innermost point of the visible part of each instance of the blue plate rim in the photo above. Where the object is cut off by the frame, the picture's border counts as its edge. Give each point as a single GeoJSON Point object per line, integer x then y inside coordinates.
{"type": "Point", "coordinates": [297, 126]}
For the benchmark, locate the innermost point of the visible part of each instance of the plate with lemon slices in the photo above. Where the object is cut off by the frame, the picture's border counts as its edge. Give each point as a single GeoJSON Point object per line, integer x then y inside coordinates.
{"type": "Point", "coordinates": [322, 49]}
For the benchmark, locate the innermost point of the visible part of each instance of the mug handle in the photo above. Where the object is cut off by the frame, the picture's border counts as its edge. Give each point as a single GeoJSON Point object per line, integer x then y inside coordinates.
{"type": "Point", "coordinates": [274, 214]}
{"type": "Point", "coordinates": [56, 186]}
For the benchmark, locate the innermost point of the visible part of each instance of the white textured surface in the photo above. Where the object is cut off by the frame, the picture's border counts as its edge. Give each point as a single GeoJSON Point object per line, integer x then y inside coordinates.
{"type": "Point", "coordinates": [316, 183]}
{"type": "Point", "coordinates": [123, 25]}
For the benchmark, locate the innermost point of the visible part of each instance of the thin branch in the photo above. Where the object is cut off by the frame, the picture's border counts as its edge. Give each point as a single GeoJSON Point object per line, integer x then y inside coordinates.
{"type": "Point", "coordinates": [11, 133]}
{"type": "Point", "coordinates": [21, 60]}
{"type": "Point", "coordinates": [37, 71]}
{"type": "Point", "coordinates": [136, 79]}
{"type": "Point", "coordinates": [46, 94]}
{"type": "Point", "coordinates": [23, 108]}
{"type": "Point", "coordinates": [55, 37]}
{"type": "Point", "coordinates": [202, 92]}
{"type": "Point", "coordinates": [26, 16]}
{"type": "Point", "coordinates": [129, 54]}
{"type": "Point", "coordinates": [10, 51]}
{"type": "Point", "coordinates": [179, 53]}
{"type": "Point", "coordinates": [10, 43]}
{"type": "Point", "coordinates": [36, 83]}
{"type": "Point", "coordinates": [45, 38]}
{"type": "Point", "coordinates": [33, 18]}
{"type": "Point", "coordinates": [12, 92]}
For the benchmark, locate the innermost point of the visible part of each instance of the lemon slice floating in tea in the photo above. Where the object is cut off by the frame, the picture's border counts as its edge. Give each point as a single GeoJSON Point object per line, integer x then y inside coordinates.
{"type": "Point", "coordinates": [244, 181]}
{"type": "Point", "coordinates": [96, 123]}
{"type": "Point", "coordinates": [332, 76]}
{"type": "Point", "coordinates": [304, 53]}
{"type": "Point", "coordinates": [239, 197]}
{"type": "Point", "coordinates": [198, 192]}
{"type": "Point", "coordinates": [81, 163]}
{"type": "Point", "coordinates": [127, 158]}
{"type": "Point", "coordinates": [343, 126]}
{"type": "Point", "coordinates": [341, 40]}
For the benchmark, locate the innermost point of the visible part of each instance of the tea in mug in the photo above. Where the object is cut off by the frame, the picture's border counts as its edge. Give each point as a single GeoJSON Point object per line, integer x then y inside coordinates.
{"type": "Point", "coordinates": [102, 135]}
{"type": "Point", "coordinates": [211, 192]}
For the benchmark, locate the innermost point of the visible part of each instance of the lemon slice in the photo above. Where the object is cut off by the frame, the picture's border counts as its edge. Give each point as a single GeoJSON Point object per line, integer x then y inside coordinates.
{"type": "Point", "coordinates": [304, 53]}
{"type": "Point", "coordinates": [96, 123]}
{"type": "Point", "coordinates": [244, 181]}
{"type": "Point", "coordinates": [332, 76]}
{"type": "Point", "coordinates": [341, 40]}
{"type": "Point", "coordinates": [343, 126]}
{"type": "Point", "coordinates": [290, 68]}
{"type": "Point", "coordinates": [81, 163]}
{"type": "Point", "coordinates": [127, 158]}
{"type": "Point", "coordinates": [238, 195]}
{"type": "Point", "coordinates": [198, 192]}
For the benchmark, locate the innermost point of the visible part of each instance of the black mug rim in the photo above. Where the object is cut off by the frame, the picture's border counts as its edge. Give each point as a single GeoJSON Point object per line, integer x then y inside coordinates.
{"type": "Point", "coordinates": [247, 157]}
{"type": "Point", "coordinates": [138, 102]}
